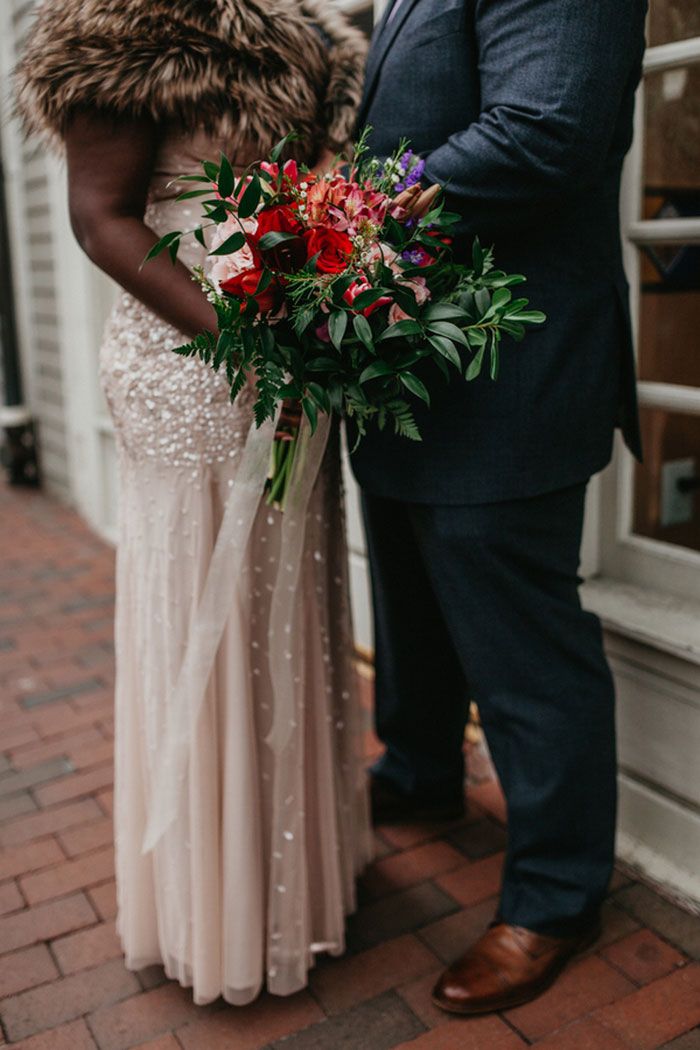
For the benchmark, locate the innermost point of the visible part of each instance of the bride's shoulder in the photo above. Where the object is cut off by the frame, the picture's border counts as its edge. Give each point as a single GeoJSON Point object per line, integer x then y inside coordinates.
{"type": "Point", "coordinates": [182, 62]}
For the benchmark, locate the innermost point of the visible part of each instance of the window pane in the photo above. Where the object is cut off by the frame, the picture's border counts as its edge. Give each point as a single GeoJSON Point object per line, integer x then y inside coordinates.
{"type": "Point", "coordinates": [671, 453]}
{"type": "Point", "coordinates": [671, 20]}
{"type": "Point", "coordinates": [672, 143]}
{"type": "Point", "coordinates": [669, 315]}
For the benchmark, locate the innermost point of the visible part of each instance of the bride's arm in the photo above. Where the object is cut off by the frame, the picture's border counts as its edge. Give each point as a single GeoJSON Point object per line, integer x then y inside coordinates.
{"type": "Point", "coordinates": [109, 170]}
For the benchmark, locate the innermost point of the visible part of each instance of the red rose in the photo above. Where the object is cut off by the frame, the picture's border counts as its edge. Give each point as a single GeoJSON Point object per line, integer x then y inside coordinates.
{"type": "Point", "coordinates": [287, 256]}
{"type": "Point", "coordinates": [245, 283]}
{"type": "Point", "coordinates": [335, 249]}
{"type": "Point", "coordinates": [363, 285]}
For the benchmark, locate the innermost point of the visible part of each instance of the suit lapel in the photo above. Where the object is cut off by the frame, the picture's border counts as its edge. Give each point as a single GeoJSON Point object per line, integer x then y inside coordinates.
{"type": "Point", "coordinates": [384, 36]}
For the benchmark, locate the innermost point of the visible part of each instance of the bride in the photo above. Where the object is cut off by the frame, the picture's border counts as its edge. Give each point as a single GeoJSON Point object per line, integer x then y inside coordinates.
{"type": "Point", "coordinates": [240, 808]}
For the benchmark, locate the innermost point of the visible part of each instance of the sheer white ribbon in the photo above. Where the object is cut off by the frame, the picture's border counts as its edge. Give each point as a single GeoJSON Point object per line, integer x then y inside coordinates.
{"type": "Point", "coordinates": [218, 595]}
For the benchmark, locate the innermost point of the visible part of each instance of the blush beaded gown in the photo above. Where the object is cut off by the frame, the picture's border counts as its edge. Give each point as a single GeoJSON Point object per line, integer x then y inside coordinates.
{"type": "Point", "coordinates": [252, 871]}
{"type": "Point", "coordinates": [240, 807]}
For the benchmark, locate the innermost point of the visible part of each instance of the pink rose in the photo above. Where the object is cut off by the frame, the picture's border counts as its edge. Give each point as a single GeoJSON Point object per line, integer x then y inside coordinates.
{"type": "Point", "coordinates": [396, 314]}
{"type": "Point", "coordinates": [225, 267]}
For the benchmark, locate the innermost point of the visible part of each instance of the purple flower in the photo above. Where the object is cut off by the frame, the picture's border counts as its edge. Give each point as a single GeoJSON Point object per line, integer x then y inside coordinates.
{"type": "Point", "coordinates": [405, 162]}
{"type": "Point", "coordinates": [415, 173]}
{"type": "Point", "coordinates": [416, 256]}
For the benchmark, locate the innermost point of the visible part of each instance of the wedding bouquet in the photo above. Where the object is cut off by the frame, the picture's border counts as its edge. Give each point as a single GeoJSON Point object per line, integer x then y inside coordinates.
{"type": "Point", "coordinates": [334, 294]}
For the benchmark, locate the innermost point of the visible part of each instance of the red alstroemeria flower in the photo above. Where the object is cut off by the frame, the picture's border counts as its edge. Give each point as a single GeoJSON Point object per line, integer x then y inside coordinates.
{"type": "Point", "coordinates": [290, 170]}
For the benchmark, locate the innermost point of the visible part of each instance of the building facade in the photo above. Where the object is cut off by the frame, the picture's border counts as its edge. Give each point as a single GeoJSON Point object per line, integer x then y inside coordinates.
{"type": "Point", "coordinates": [641, 556]}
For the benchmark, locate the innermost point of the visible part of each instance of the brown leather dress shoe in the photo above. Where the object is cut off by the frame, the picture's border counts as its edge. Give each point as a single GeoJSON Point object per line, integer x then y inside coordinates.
{"type": "Point", "coordinates": [508, 966]}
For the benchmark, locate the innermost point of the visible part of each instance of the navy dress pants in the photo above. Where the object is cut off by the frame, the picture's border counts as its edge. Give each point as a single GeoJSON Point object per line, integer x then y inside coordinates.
{"type": "Point", "coordinates": [481, 602]}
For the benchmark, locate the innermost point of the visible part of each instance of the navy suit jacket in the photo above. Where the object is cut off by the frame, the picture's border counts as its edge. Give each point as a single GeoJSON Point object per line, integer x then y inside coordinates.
{"type": "Point", "coordinates": [523, 109]}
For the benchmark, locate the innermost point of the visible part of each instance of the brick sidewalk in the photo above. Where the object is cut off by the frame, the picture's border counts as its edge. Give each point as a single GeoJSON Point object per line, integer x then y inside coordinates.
{"type": "Point", "coordinates": [62, 983]}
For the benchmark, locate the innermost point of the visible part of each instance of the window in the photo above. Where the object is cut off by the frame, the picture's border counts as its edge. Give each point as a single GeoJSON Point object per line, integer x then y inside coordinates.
{"type": "Point", "coordinates": [657, 528]}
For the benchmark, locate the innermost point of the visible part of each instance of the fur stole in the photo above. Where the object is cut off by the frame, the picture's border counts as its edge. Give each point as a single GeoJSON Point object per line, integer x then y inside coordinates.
{"type": "Point", "coordinates": [250, 68]}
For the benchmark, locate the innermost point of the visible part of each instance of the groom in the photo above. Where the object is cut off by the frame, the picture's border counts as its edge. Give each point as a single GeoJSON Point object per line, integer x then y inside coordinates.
{"type": "Point", "coordinates": [523, 110]}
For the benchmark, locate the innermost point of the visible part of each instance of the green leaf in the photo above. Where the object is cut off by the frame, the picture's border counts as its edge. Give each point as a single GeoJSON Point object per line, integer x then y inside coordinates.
{"type": "Point", "coordinates": [504, 280]}
{"type": "Point", "coordinates": [482, 300]}
{"type": "Point", "coordinates": [250, 199]}
{"type": "Point", "coordinates": [477, 256]}
{"type": "Point", "coordinates": [500, 297]}
{"type": "Point", "coordinates": [191, 194]}
{"type": "Point", "coordinates": [264, 282]}
{"type": "Point", "coordinates": [340, 286]}
{"type": "Point", "coordinates": [443, 312]}
{"type": "Point", "coordinates": [199, 236]}
{"type": "Point", "coordinates": [514, 305]}
{"type": "Point", "coordinates": [466, 301]}
{"type": "Point", "coordinates": [363, 331]}
{"type": "Point", "coordinates": [223, 345]}
{"type": "Point", "coordinates": [322, 364]}
{"type": "Point", "coordinates": [376, 369]}
{"type": "Point", "coordinates": [310, 264]}
{"type": "Point", "coordinates": [447, 348]}
{"type": "Point", "coordinates": [404, 423]}
{"type": "Point", "coordinates": [530, 317]}
{"type": "Point", "coordinates": [415, 385]}
{"type": "Point", "coordinates": [275, 237]}
{"type": "Point", "coordinates": [355, 392]}
{"type": "Point", "coordinates": [513, 329]}
{"type": "Point", "coordinates": [320, 396]}
{"type": "Point", "coordinates": [476, 336]}
{"type": "Point", "coordinates": [226, 178]}
{"type": "Point", "coordinates": [337, 326]}
{"type": "Point", "coordinates": [218, 213]}
{"type": "Point", "coordinates": [451, 331]}
{"type": "Point", "coordinates": [335, 394]}
{"type": "Point", "coordinates": [494, 358]}
{"type": "Point", "coordinates": [230, 245]}
{"type": "Point", "coordinates": [267, 340]}
{"type": "Point", "coordinates": [191, 178]}
{"type": "Point", "coordinates": [401, 328]}
{"type": "Point", "coordinates": [164, 242]}
{"type": "Point", "coordinates": [368, 298]}
{"type": "Point", "coordinates": [303, 320]}
{"type": "Point", "coordinates": [475, 366]}
{"type": "Point", "coordinates": [407, 301]}
{"type": "Point", "coordinates": [289, 137]}
{"type": "Point", "coordinates": [211, 169]}
{"type": "Point", "coordinates": [310, 411]}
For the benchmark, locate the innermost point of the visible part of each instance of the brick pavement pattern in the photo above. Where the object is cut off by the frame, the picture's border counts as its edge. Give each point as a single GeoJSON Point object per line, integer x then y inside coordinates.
{"type": "Point", "coordinates": [431, 890]}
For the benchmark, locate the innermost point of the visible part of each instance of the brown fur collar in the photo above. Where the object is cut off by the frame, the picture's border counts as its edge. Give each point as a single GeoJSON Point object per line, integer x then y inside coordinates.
{"type": "Point", "coordinates": [260, 67]}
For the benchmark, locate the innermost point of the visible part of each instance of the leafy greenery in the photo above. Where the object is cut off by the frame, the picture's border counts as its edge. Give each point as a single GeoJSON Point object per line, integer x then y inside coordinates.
{"type": "Point", "coordinates": [337, 353]}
